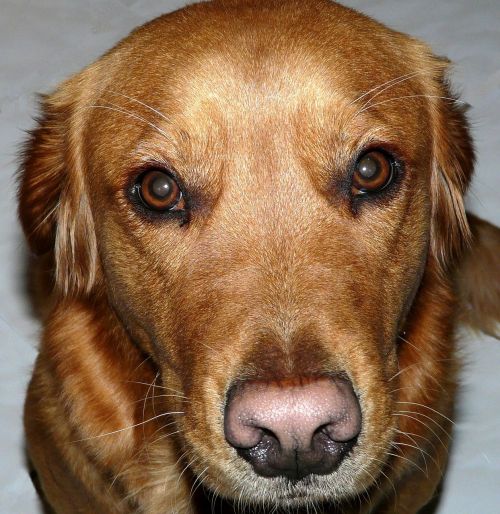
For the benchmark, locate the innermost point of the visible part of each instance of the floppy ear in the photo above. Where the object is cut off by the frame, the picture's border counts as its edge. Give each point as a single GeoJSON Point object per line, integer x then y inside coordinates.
{"type": "Point", "coordinates": [453, 167]}
{"type": "Point", "coordinates": [53, 205]}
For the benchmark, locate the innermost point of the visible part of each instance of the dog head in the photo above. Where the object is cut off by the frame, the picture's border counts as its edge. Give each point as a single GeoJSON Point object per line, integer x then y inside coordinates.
{"type": "Point", "coordinates": [258, 189]}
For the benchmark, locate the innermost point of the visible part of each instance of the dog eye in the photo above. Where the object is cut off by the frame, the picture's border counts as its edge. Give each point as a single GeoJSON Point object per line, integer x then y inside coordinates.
{"type": "Point", "coordinates": [159, 191]}
{"type": "Point", "coordinates": [373, 172]}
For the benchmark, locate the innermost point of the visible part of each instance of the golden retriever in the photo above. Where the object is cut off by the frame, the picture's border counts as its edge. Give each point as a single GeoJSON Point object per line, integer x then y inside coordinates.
{"type": "Point", "coordinates": [250, 213]}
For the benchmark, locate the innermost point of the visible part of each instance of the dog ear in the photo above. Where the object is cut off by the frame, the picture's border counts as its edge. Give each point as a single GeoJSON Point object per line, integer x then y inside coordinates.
{"type": "Point", "coordinates": [478, 282]}
{"type": "Point", "coordinates": [452, 170]}
{"type": "Point", "coordinates": [53, 204]}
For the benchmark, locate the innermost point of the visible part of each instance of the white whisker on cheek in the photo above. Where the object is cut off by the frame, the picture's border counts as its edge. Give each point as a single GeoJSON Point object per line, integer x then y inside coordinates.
{"type": "Point", "coordinates": [129, 427]}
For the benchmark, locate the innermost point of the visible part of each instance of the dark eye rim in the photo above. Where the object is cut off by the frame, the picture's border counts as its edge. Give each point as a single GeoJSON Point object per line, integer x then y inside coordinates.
{"type": "Point", "coordinates": [150, 214]}
{"type": "Point", "coordinates": [396, 172]}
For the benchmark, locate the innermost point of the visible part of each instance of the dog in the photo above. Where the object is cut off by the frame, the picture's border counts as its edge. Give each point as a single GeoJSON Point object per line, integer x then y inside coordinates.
{"type": "Point", "coordinates": [250, 218]}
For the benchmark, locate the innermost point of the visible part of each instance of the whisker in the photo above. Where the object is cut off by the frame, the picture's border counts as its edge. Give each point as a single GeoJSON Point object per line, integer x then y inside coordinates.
{"type": "Point", "coordinates": [392, 84]}
{"type": "Point", "coordinates": [132, 115]}
{"type": "Point", "coordinates": [181, 398]}
{"type": "Point", "coordinates": [374, 480]}
{"type": "Point", "coordinates": [142, 362]}
{"type": "Point", "coordinates": [397, 446]}
{"type": "Point", "coordinates": [401, 457]}
{"type": "Point", "coordinates": [164, 436]}
{"type": "Point", "coordinates": [144, 404]}
{"type": "Point", "coordinates": [412, 388]}
{"type": "Point", "coordinates": [423, 452]}
{"type": "Point", "coordinates": [192, 461]}
{"type": "Point", "coordinates": [165, 482]}
{"type": "Point", "coordinates": [132, 99]}
{"type": "Point", "coordinates": [198, 478]}
{"type": "Point", "coordinates": [408, 460]}
{"type": "Point", "coordinates": [411, 436]}
{"type": "Point", "coordinates": [157, 386]}
{"type": "Point", "coordinates": [401, 371]}
{"type": "Point", "coordinates": [418, 350]}
{"type": "Point", "coordinates": [127, 428]}
{"type": "Point", "coordinates": [427, 417]}
{"type": "Point", "coordinates": [429, 408]}
{"type": "Point", "coordinates": [214, 496]}
{"type": "Point", "coordinates": [425, 425]}
{"type": "Point", "coordinates": [388, 83]}
{"type": "Point", "coordinates": [408, 96]}
{"type": "Point", "coordinates": [381, 471]}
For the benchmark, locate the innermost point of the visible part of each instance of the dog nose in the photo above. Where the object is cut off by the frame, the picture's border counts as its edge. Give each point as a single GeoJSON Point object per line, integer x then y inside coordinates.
{"type": "Point", "coordinates": [293, 428]}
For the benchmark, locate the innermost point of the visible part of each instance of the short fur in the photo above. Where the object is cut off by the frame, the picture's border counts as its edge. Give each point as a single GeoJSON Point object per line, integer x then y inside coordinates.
{"type": "Point", "coordinates": [260, 107]}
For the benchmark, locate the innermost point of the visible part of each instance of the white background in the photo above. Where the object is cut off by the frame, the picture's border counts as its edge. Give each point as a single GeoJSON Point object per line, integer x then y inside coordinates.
{"type": "Point", "coordinates": [42, 42]}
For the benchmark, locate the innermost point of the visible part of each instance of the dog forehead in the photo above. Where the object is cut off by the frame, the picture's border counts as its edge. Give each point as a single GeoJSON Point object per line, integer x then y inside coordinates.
{"type": "Point", "coordinates": [249, 51]}
{"type": "Point", "coordinates": [263, 70]}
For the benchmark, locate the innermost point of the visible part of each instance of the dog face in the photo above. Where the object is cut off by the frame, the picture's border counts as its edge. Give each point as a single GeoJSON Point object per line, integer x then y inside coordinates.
{"type": "Point", "coordinates": [258, 190]}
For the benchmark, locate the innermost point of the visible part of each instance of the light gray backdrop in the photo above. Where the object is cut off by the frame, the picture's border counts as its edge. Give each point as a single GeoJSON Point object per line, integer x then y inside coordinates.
{"type": "Point", "coordinates": [42, 42]}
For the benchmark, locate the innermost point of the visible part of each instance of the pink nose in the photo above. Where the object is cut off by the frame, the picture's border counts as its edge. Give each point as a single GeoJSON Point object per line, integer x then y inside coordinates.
{"type": "Point", "coordinates": [293, 428]}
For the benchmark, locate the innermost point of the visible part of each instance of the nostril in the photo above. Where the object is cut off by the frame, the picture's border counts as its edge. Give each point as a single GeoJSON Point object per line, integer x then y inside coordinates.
{"type": "Point", "coordinates": [323, 437]}
{"type": "Point", "coordinates": [241, 434]}
{"type": "Point", "coordinates": [346, 428]}
{"type": "Point", "coordinates": [293, 428]}
{"type": "Point", "coordinates": [323, 429]}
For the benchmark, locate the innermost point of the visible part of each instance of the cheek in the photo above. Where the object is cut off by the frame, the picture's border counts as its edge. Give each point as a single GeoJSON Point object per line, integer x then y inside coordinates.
{"type": "Point", "coordinates": [142, 281]}
{"type": "Point", "coordinates": [392, 248]}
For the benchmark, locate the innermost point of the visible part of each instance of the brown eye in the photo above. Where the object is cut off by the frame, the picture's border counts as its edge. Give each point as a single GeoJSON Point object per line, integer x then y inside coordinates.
{"type": "Point", "coordinates": [159, 191]}
{"type": "Point", "coordinates": [374, 171]}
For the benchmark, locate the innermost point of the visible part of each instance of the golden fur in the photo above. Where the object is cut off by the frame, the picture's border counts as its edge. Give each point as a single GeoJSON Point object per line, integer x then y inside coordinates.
{"type": "Point", "coordinates": [259, 106]}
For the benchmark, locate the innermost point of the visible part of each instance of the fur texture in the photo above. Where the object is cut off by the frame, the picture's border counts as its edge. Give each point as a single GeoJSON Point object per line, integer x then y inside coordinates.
{"type": "Point", "coordinates": [275, 270]}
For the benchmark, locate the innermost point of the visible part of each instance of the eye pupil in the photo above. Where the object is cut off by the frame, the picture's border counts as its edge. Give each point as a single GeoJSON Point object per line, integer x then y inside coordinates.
{"type": "Point", "coordinates": [159, 191]}
{"type": "Point", "coordinates": [368, 167]}
{"type": "Point", "coordinates": [161, 186]}
{"type": "Point", "coordinates": [373, 172]}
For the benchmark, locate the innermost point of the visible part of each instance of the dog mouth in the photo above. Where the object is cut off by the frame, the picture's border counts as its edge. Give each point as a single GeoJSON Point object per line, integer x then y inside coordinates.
{"type": "Point", "coordinates": [278, 495]}
{"type": "Point", "coordinates": [299, 490]}
{"type": "Point", "coordinates": [284, 493]}
{"type": "Point", "coordinates": [293, 443]}
{"type": "Point", "coordinates": [281, 493]}
{"type": "Point", "coordinates": [298, 493]}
